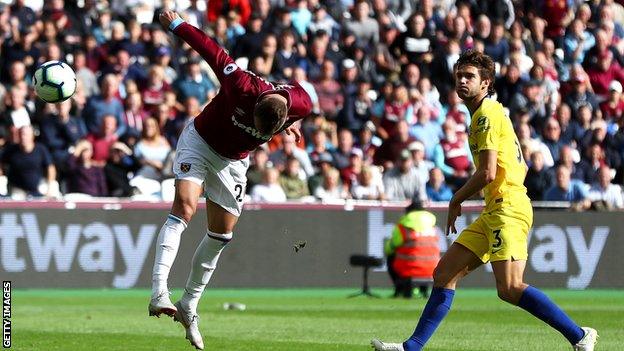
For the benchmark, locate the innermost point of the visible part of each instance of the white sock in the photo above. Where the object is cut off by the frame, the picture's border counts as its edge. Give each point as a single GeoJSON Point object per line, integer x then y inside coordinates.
{"type": "Point", "coordinates": [167, 245]}
{"type": "Point", "coordinates": [204, 263]}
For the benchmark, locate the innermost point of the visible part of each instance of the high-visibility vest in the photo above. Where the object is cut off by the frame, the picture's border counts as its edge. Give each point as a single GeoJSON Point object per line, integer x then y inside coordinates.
{"type": "Point", "coordinates": [419, 252]}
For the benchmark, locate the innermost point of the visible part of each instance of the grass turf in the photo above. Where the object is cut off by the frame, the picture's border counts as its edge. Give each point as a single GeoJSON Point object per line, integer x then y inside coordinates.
{"type": "Point", "coordinates": [310, 320]}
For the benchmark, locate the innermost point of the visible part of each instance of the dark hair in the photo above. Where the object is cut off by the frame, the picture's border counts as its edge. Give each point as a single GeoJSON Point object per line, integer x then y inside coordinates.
{"type": "Point", "coordinates": [483, 63]}
{"type": "Point", "coordinates": [416, 205]}
{"type": "Point", "coordinates": [270, 114]}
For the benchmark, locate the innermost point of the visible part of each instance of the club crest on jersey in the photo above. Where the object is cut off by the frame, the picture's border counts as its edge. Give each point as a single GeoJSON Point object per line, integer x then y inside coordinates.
{"type": "Point", "coordinates": [185, 167]}
{"type": "Point", "coordinates": [229, 68]}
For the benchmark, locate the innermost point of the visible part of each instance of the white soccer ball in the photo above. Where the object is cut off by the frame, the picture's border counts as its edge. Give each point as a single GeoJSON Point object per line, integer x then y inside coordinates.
{"type": "Point", "coordinates": [54, 81]}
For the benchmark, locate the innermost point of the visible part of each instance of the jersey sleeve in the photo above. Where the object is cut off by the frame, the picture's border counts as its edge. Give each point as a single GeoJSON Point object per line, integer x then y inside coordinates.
{"type": "Point", "coordinates": [488, 129]}
{"type": "Point", "coordinates": [300, 103]}
{"type": "Point", "coordinates": [218, 59]}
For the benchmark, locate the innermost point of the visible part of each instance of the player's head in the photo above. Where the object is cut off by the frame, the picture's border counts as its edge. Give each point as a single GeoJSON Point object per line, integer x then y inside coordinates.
{"type": "Point", "coordinates": [474, 75]}
{"type": "Point", "coordinates": [416, 205]}
{"type": "Point", "coordinates": [270, 114]}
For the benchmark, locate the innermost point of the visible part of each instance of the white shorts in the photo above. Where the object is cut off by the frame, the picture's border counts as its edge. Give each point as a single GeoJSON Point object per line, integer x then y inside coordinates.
{"type": "Point", "coordinates": [224, 179]}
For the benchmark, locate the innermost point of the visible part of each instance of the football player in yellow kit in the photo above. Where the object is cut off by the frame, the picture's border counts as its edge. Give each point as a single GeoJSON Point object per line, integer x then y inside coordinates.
{"type": "Point", "coordinates": [500, 233]}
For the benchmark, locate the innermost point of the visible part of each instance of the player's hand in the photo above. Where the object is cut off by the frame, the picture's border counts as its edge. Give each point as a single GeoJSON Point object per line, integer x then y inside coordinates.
{"type": "Point", "coordinates": [453, 212]}
{"type": "Point", "coordinates": [166, 17]}
{"type": "Point", "coordinates": [294, 131]}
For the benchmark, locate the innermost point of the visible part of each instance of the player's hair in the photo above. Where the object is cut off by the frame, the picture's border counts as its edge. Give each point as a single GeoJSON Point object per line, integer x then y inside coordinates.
{"type": "Point", "coordinates": [270, 114]}
{"type": "Point", "coordinates": [482, 62]}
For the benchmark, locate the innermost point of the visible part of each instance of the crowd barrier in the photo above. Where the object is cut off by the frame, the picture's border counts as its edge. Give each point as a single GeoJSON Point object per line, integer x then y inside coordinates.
{"type": "Point", "coordinates": [111, 244]}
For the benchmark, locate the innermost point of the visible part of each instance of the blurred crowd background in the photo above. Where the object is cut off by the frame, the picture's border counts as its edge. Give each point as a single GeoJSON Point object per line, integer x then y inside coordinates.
{"type": "Point", "coordinates": [387, 124]}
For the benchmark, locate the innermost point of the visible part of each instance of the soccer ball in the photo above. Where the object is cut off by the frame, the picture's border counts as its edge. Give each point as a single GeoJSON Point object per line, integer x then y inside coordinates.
{"type": "Point", "coordinates": [54, 81]}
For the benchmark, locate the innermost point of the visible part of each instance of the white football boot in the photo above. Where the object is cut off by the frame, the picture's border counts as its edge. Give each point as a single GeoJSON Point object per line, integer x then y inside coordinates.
{"type": "Point", "coordinates": [588, 341]}
{"type": "Point", "coordinates": [161, 303]}
{"type": "Point", "coordinates": [190, 322]}
{"type": "Point", "coordinates": [379, 345]}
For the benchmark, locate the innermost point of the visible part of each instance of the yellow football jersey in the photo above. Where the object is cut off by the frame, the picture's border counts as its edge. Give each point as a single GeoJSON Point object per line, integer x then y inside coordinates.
{"type": "Point", "coordinates": [491, 129]}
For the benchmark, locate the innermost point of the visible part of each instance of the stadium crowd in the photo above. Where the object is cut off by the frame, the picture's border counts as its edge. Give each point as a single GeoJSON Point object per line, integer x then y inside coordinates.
{"type": "Point", "coordinates": [387, 124]}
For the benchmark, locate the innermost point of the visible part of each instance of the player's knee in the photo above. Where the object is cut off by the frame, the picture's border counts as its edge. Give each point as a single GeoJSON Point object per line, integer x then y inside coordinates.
{"type": "Point", "coordinates": [441, 276]}
{"type": "Point", "coordinates": [509, 293]}
{"type": "Point", "coordinates": [185, 209]}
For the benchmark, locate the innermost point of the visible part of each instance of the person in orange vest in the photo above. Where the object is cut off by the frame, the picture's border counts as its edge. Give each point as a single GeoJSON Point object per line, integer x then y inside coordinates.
{"type": "Point", "coordinates": [413, 251]}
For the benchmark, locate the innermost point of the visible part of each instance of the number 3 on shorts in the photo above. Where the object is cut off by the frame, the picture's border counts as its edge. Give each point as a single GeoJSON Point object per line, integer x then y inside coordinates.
{"type": "Point", "coordinates": [498, 239]}
{"type": "Point", "coordinates": [238, 189]}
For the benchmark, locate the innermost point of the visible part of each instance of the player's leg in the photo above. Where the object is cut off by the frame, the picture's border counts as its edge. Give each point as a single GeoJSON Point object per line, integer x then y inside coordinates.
{"type": "Point", "coordinates": [224, 187]}
{"type": "Point", "coordinates": [456, 263]}
{"type": "Point", "coordinates": [508, 240]}
{"type": "Point", "coordinates": [220, 227]}
{"type": "Point", "coordinates": [168, 242]}
{"type": "Point", "coordinates": [511, 288]}
{"type": "Point", "coordinates": [190, 169]}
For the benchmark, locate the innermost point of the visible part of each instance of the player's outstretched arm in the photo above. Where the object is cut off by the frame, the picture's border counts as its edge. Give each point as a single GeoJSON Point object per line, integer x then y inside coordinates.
{"type": "Point", "coordinates": [209, 50]}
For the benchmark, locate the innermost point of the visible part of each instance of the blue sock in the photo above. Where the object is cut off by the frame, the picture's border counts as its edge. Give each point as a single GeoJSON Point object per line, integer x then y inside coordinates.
{"type": "Point", "coordinates": [539, 305]}
{"type": "Point", "coordinates": [436, 309]}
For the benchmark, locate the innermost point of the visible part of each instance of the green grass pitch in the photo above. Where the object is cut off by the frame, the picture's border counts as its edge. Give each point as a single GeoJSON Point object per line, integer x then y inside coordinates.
{"type": "Point", "coordinates": [310, 320]}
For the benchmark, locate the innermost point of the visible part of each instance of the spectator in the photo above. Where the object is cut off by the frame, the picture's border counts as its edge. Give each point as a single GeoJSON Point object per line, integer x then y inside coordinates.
{"type": "Point", "coordinates": [105, 104]}
{"type": "Point", "coordinates": [60, 130]}
{"type": "Point", "coordinates": [603, 194]}
{"type": "Point", "coordinates": [367, 188]}
{"type": "Point", "coordinates": [350, 174]}
{"type": "Point", "coordinates": [365, 29]}
{"type": "Point", "coordinates": [613, 107]}
{"type": "Point", "coordinates": [329, 91]}
{"type": "Point", "coordinates": [194, 83]}
{"type": "Point", "coordinates": [607, 71]}
{"type": "Point", "coordinates": [84, 76]}
{"type": "Point", "coordinates": [437, 190]}
{"type": "Point", "coordinates": [565, 189]}
{"type": "Point", "coordinates": [414, 45]}
{"type": "Point", "coordinates": [134, 114]}
{"type": "Point", "coordinates": [151, 151]}
{"type": "Point", "coordinates": [83, 176]}
{"type": "Point", "coordinates": [396, 108]}
{"type": "Point", "coordinates": [551, 137]}
{"type": "Point", "coordinates": [250, 44]}
{"type": "Point", "coordinates": [422, 165]}
{"type": "Point", "coordinates": [286, 57]}
{"type": "Point", "coordinates": [577, 42]}
{"type": "Point", "coordinates": [330, 188]}
{"type": "Point", "coordinates": [426, 131]}
{"type": "Point", "coordinates": [509, 85]}
{"type": "Point", "coordinates": [260, 161]}
{"type": "Point", "coordinates": [345, 147]}
{"type": "Point", "coordinates": [289, 148]}
{"type": "Point", "coordinates": [403, 182]}
{"type": "Point", "coordinates": [153, 93]}
{"type": "Point", "coordinates": [220, 7]}
{"type": "Point", "coordinates": [530, 100]}
{"type": "Point", "coordinates": [497, 45]}
{"type": "Point", "coordinates": [17, 113]}
{"type": "Point", "coordinates": [103, 140]}
{"type": "Point", "coordinates": [291, 180]}
{"type": "Point", "coordinates": [269, 190]}
{"type": "Point", "coordinates": [569, 157]}
{"type": "Point", "coordinates": [391, 148]}
{"type": "Point", "coordinates": [580, 95]}
{"type": "Point", "coordinates": [538, 179]}
{"type": "Point", "coordinates": [452, 156]}
{"type": "Point", "coordinates": [121, 164]}
{"type": "Point", "coordinates": [26, 164]}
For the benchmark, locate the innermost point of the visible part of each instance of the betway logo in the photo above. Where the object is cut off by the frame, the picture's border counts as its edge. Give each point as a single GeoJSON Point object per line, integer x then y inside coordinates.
{"type": "Point", "coordinates": [548, 255]}
{"type": "Point", "coordinates": [250, 130]}
{"type": "Point", "coordinates": [96, 254]}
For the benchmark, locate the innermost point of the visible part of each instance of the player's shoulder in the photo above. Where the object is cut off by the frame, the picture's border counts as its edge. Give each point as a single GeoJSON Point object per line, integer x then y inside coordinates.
{"type": "Point", "coordinates": [492, 108]}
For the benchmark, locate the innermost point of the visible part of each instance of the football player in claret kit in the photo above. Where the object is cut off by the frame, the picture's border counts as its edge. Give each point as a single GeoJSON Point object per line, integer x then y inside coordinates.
{"type": "Point", "coordinates": [213, 150]}
{"type": "Point", "coordinates": [500, 233]}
